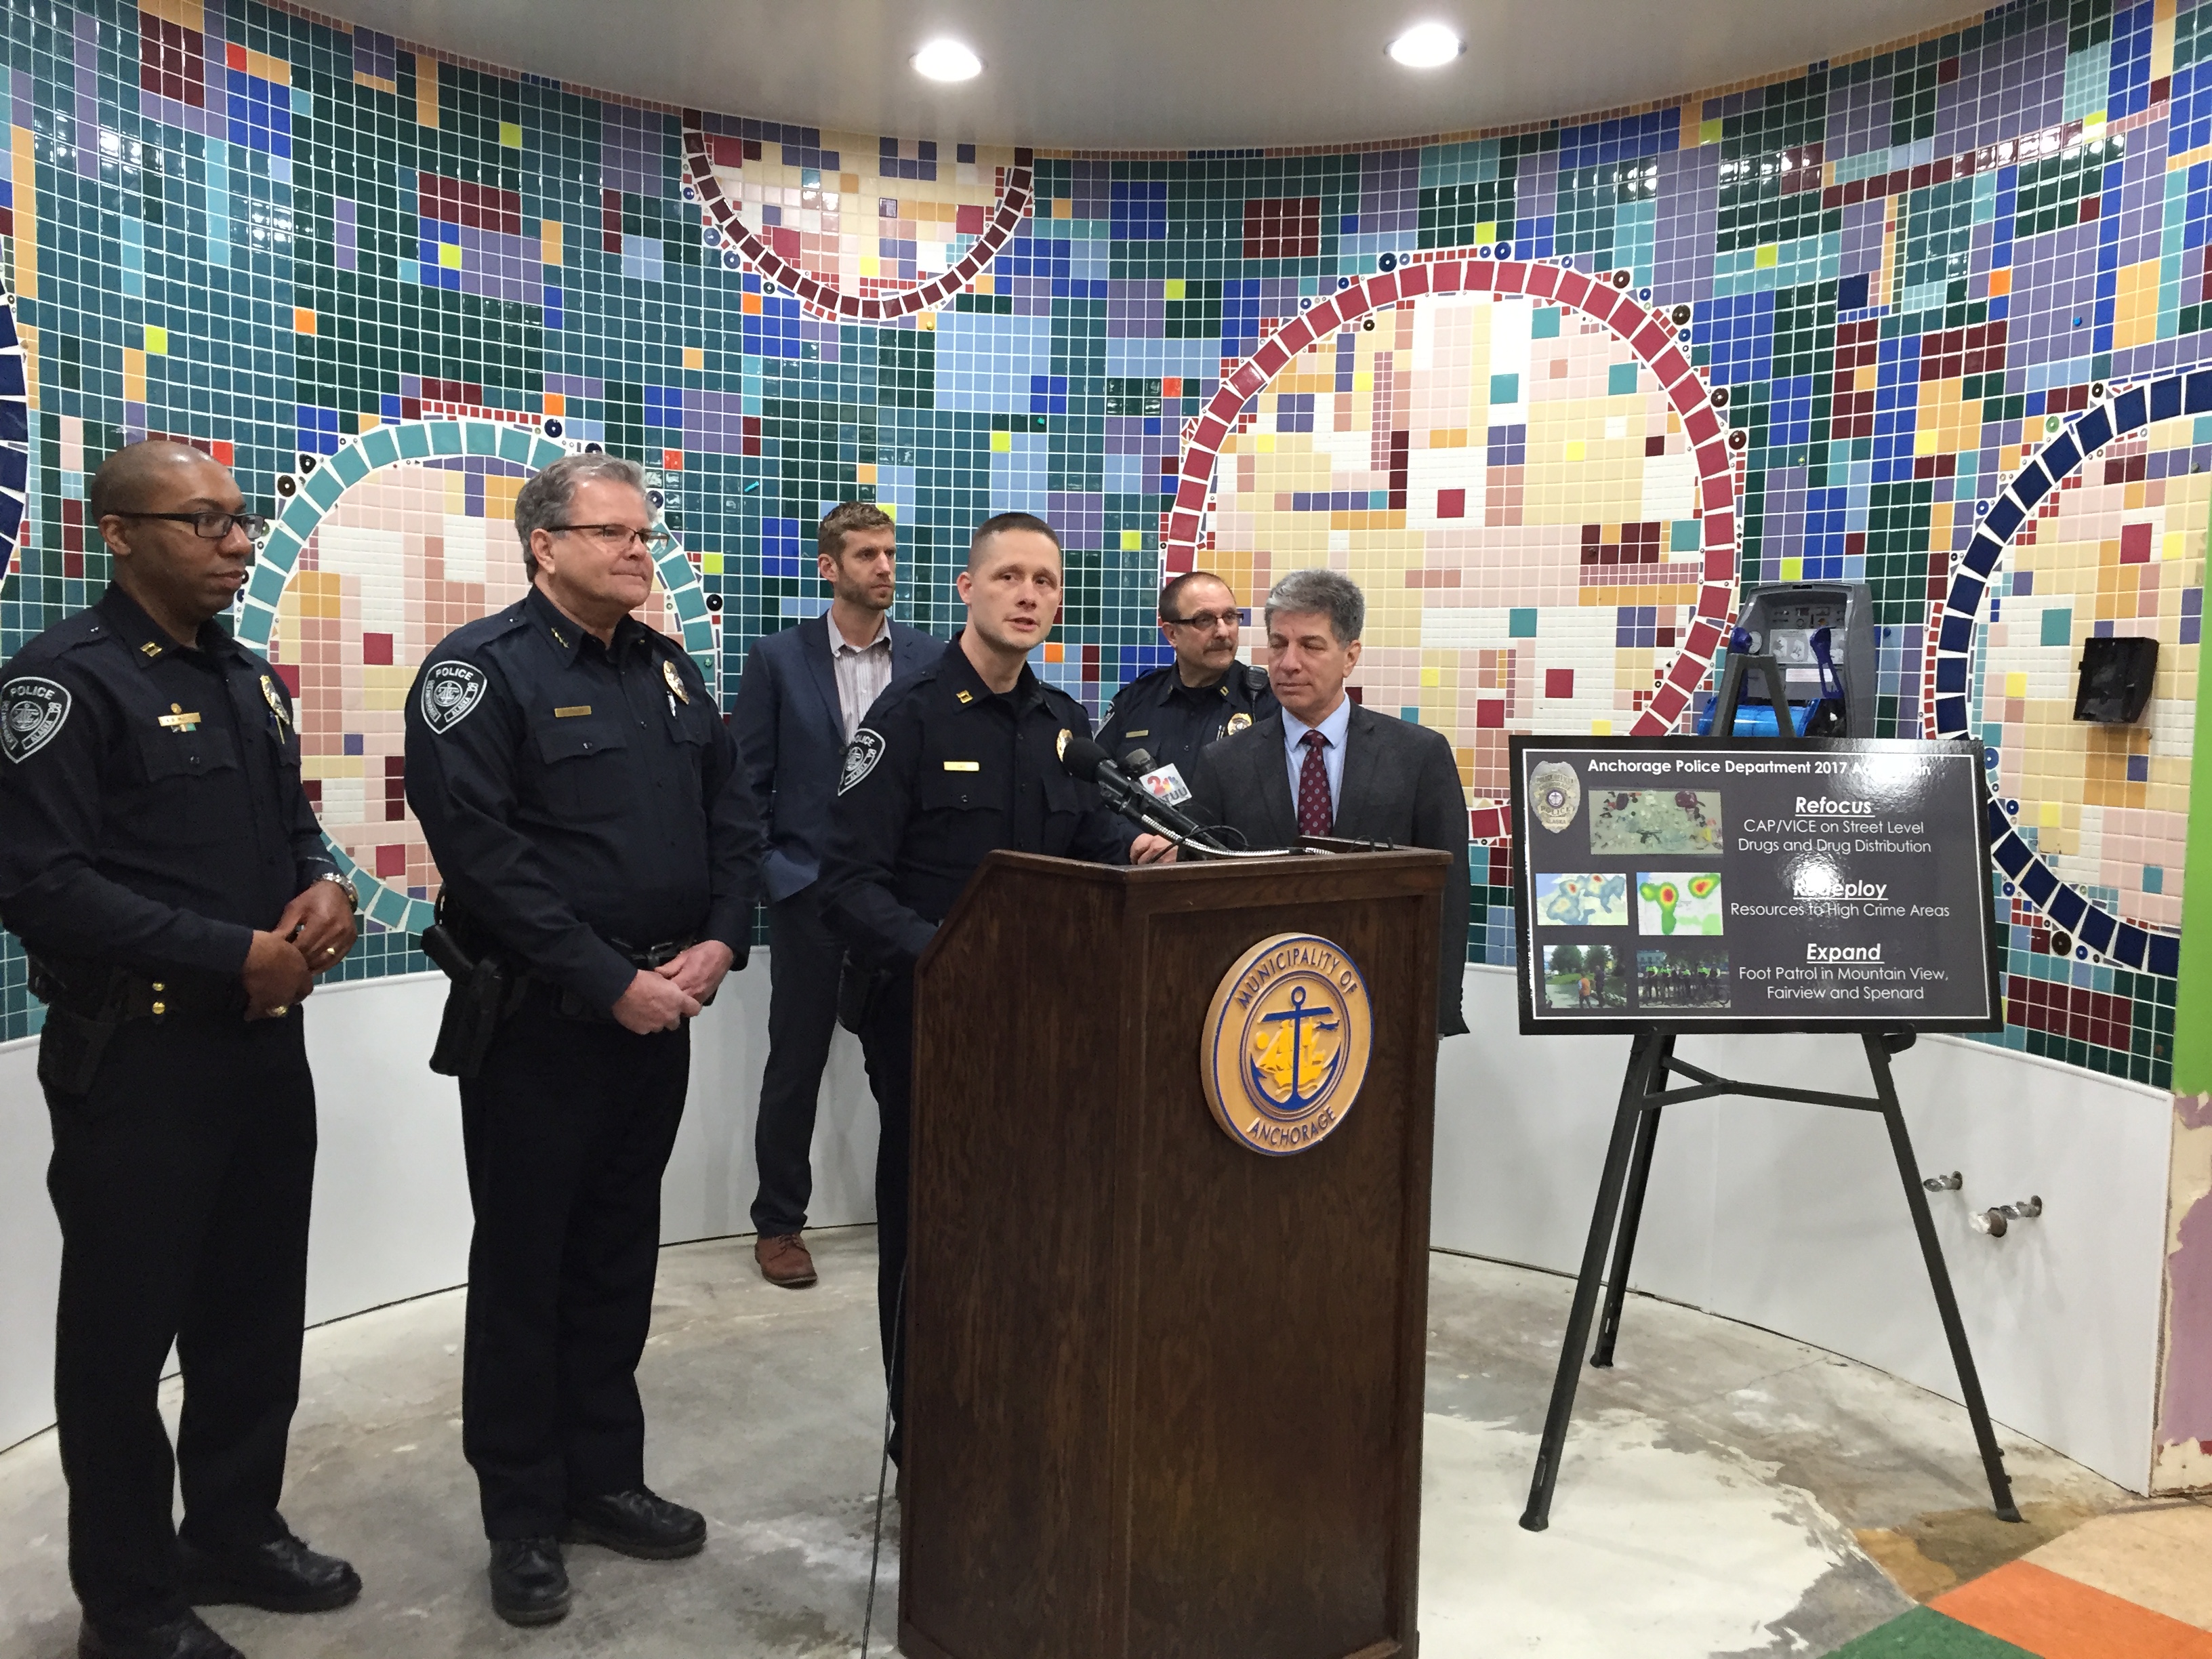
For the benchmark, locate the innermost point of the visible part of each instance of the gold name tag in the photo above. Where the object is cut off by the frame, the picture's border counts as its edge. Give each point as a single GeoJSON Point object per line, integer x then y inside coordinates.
{"type": "Point", "coordinates": [1139, 731]}
{"type": "Point", "coordinates": [571, 713]}
{"type": "Point", "coordinates": [179, 719]}
{"type": "Point", "coordinates": [963, 766]}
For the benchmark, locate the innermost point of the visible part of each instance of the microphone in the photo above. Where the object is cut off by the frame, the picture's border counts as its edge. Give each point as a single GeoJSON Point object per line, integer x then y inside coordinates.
{"type": "Point", "coordinates": [1086, 760]}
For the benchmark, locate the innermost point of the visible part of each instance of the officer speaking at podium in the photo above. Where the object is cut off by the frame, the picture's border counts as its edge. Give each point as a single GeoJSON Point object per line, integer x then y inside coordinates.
{"type": "Point", "coordinates": [952, 762]}
{"type": "Point", "coordinates": [161, 864]}
{"type": "Point", "coordinates": [600, 852]}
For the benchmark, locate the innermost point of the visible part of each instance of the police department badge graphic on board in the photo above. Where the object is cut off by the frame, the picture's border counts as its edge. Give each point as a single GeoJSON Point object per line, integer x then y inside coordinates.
{"type": "Point", "coordinates": [450, 691]}
{"type": "Point", "coordinates": [861, 755]}
{"type": "Point", "coordinates": [1286, 1043]}
{"type": "Point", "coordinates": [1556, 794]}
{"type": "Point", "coordinates": [32, 710]}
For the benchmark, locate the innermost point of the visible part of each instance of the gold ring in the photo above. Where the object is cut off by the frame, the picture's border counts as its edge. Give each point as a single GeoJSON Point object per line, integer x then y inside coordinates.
{"type": "Point", "coordinates": [329, 950]}
{"type": "Point", "coordinates": [280, 1011]}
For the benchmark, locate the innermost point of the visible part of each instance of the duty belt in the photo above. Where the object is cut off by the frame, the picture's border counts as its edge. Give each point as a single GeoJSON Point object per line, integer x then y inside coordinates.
{"type": "Point", "coordinates": [104, 991]}
{"type": "Point", "coordinates": [569, 1006]}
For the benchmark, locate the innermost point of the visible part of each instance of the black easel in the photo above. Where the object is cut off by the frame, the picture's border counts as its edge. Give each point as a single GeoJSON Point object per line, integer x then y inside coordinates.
{"type": "Point", "coordinates": [1643, 1095]}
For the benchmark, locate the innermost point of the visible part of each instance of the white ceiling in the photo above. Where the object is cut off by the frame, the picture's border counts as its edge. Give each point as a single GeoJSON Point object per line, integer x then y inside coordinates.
{"type": "Point", "coordinates": [1151, 74]}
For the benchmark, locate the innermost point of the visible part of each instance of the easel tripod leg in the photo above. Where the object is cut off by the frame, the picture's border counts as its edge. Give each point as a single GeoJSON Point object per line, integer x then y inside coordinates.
{"type": "Point", "coordinates": [1939, 1277]}
{"type": "Point", "coordinates": [1538, 1516]}
{"type": "Point", "coordinates": [1631, 1214]}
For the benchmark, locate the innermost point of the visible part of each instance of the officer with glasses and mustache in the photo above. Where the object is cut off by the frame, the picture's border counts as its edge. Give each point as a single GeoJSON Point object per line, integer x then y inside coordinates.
{"type": "Point", "coordinates": [1159, 721]}
{"type": "Point", "coordinates": [163, 866]}
{"type": "Point", "coordinates": [600, 851]}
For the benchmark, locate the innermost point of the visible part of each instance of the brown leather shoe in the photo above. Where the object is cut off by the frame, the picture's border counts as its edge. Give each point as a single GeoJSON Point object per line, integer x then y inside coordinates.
{"type": "Point", "coordinates": [784, 1260]}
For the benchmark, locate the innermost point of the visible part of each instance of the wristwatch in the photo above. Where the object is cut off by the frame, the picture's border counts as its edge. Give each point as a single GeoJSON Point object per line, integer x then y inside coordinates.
{"type": "Point", "coordinates": [353, 898]}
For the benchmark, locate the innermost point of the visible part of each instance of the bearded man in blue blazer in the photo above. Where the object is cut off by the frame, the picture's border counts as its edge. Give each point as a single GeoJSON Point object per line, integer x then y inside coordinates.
{"type": "Point", "coordinates": [802, 696]}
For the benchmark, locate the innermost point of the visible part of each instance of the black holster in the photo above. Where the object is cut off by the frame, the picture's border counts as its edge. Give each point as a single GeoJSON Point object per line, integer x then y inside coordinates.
{"type": "Point", "coordinates": [857, 987]}
{"type": "Point", "coordinates": [81, 1020]}
{"type": "Point", "coordinates": [477, 1001]}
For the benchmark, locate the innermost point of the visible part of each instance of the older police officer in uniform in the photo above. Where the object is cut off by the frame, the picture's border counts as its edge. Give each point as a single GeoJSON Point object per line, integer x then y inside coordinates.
{"type": "Point", "coordinates": [1164, 718]}
{"type": "Point", "coordinates": [599, 844]}
{"type": "Point", "coordinates": [953, 761]}
{"type": "Point", "coordinates": [161, 864]}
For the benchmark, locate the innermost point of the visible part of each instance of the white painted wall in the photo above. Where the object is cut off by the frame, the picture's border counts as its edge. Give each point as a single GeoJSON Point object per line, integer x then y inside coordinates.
{"type": "Point", "coordinates": [1792, 1217]}
{"type": "Point", "coordinates": [1789, 1217]}
{"type": "Point", "coordinates": [392, 1199]}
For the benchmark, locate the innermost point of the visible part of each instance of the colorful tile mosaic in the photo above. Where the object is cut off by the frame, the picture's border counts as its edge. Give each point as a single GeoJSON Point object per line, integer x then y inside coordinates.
{"type": "Point", "coordinates": [1925, 318]}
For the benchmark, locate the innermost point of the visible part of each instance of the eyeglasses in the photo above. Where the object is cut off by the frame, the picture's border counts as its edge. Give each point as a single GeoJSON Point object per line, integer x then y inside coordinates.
{"type": "Point", "coordinates": [1206, 621]}
{"type": "Point", "coordinates": [211, 525]}
{"type": "Point", "coordinates": [616, 538]}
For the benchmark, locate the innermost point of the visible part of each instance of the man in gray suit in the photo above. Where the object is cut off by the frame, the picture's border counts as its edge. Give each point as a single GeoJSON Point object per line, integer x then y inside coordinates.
{"type": "Point", "coordinates": [1322, 765]}
{"type": "Point", "coordinates": [803, 693]}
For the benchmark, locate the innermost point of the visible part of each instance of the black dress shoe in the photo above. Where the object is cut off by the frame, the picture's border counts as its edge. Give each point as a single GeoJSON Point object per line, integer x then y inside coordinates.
{"type": "Point", "coordinates": [181, 1638]}
{"type": "Point", "coordinates": [283, 1576]}
{"type": "Point", "coordinates": [637, 1522]}
{"type": "Point", "coordinates": [529, 1582]}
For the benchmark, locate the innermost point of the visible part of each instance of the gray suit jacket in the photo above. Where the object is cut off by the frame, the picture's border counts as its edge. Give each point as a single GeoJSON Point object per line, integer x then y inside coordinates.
{"type": "Point", "coordinates": [1400, 784]}
{"type": "Point", "coordinates": [791, 734]}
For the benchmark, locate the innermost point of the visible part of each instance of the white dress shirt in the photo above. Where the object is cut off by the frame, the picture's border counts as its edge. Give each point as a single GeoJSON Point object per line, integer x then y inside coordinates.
{"type": "Point", "coordinates": [863, 671]}
{"type": "Point", "coordinates": [1333, 728]}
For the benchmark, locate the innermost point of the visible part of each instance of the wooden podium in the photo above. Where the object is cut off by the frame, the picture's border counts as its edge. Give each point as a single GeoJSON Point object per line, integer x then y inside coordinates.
{"type": "Point", "coordinates": [1163, 1393]}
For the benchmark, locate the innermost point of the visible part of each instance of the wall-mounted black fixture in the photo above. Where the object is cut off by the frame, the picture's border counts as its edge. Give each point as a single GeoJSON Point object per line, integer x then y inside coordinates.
{"type": "Point", "coordinates": [2116, 679]}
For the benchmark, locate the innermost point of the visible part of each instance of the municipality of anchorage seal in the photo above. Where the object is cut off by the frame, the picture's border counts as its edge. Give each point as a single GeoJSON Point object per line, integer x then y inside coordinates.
{"type": "Point", "coordinates": [1286, 1044]}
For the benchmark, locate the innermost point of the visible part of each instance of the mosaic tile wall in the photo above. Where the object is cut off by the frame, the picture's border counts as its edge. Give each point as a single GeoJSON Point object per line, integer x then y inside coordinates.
{"type": "Point", "coordinates": [1920, 286]}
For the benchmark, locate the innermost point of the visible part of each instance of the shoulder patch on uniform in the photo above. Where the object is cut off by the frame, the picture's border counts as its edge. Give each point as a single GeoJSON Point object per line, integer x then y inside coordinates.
{"type": "Point", "coordinates": [32, 709]}
{"type": "Point", "coordinates": [861, 755]}
{"type": "Point", "coordinates": [450, 691]}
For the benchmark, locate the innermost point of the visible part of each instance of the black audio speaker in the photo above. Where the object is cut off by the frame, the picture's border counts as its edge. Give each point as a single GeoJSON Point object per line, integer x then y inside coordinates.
{"type": "Point", "coordinates": [2116, 678]}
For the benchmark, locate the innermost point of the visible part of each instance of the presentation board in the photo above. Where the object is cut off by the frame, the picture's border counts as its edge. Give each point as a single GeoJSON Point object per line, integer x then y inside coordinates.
{"type": "Point", "coordinates": [1733, 884]}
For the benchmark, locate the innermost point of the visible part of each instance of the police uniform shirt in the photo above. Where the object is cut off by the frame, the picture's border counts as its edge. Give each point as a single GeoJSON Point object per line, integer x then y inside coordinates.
{"type": "Point", "coordinates": [944, 770]}
{"type": "Point", "coordinates": [579, 796]}
{"type": "Point", "coordinates": [1166, 722]}
{"type": "Point", "coordinates": [151, 811]}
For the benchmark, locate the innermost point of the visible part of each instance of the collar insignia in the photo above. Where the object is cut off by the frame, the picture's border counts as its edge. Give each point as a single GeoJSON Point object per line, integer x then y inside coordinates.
{"type": "Point", "coordinates": [152, 648]}
{"type": "Point", "coordinates": [965, 697]}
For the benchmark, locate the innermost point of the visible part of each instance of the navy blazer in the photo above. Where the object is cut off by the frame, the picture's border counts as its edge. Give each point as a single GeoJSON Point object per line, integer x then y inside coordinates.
{"type": "Point", "coordinates": [791, 734]}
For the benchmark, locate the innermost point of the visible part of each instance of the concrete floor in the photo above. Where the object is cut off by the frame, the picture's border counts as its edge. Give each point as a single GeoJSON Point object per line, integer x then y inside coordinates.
{"type": "Point", "coordinates": [1727, 1492]}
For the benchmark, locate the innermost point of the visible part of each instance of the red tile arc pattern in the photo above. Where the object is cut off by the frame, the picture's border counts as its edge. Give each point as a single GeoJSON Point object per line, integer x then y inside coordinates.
{"type": "Point", "coordinates": [824, 299]}
{"type": "Point", "coordinates": [1651, 333]}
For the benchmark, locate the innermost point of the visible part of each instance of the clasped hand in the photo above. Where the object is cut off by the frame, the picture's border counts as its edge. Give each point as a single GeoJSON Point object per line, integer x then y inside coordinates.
{"type": "Point", "coordinates": [663, 998]}
{"type": "Point", "coordinates": [311, 937]}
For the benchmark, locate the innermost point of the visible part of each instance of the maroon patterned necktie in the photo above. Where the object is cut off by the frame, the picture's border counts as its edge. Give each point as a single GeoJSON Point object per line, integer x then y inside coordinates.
{"type": "Point", "coordinates": [1314, 814]}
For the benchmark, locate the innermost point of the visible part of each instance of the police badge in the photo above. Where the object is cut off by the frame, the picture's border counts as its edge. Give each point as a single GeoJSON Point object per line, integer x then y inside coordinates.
{"type": "Point", "coordinates": [450, 691]}
{"type": "Point", "coordinates": [861, 757]}
{"type": "Point", "coordinates": [1238, 721]}
{"type": "Point", "coordinates": [270, 695]}
{"type": "Point", "coordinates": [32, 710]}
{"type": "Point", "coordinates": [1556, 794]}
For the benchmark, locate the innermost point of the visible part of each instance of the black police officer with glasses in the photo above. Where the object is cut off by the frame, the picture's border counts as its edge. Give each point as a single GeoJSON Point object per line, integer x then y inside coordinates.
{"type": "Point", "coordinates": [592, 822]}
{"type": "Point", "coordinates": [161, 862]}
{"type": "Point", "coordinates": [1165, 717]}
{"type": "Point", "coordinates": [952, 762]}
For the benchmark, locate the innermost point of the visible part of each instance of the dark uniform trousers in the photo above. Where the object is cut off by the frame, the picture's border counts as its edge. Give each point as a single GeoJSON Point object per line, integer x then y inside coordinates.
{"type": "Point", "coordinates": [887, 1042]}
{"type": "Point", "coordinates": [803, 962]}
{"type": "Point", "coordinates": [566, 1130]}
{"type": "Point", "coordinates": [182, 1180]}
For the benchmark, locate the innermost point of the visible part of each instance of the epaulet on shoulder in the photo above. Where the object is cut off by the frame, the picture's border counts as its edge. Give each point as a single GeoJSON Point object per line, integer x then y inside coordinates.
{"type": "Point", "coordinates": [86, 628]}
{"type": "Point", "coordinates": [1053, 694]}
{"type": "Point", "coordinates": [484, 630]}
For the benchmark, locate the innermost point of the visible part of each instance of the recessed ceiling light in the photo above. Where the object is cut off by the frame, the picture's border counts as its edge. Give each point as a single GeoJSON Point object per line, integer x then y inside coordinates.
{"type": "Point", "coordinates": [1427, 45]}
{"type": "Point", "coordinates": [947, 60]}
